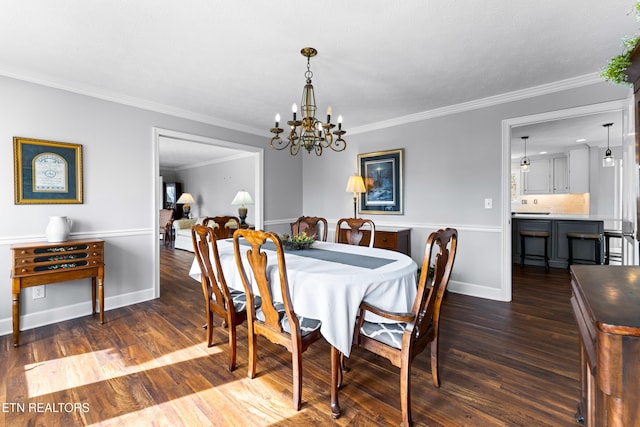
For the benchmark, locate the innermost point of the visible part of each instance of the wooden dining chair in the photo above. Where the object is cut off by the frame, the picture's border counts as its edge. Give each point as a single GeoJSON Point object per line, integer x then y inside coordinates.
{"type": "Point", "coordinates": [353, 234]}
{"type": "Point", "coordinates": [222, 231]}
{"type": "Point", "coordinates": [274, 320]}
{"type": "Point", "coordinates": [309, 225]}
{"type": "Point", "coordinates": [229, 304]}
{"type": "Point", "coordinates": [166, 225]}
{"type": "Point", "coordinates": [401, 342]}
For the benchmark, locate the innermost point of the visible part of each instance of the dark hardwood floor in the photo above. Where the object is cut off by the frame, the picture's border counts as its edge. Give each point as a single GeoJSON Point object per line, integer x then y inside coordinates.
{"type": "Point", "coordinates": [502, 364]}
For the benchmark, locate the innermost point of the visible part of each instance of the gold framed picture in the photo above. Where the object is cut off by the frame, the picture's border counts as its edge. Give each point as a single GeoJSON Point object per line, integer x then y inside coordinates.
{"type": "Point", "coordinates": [47, 172]}
{"type": "Point", "coordinates": [382, 173]}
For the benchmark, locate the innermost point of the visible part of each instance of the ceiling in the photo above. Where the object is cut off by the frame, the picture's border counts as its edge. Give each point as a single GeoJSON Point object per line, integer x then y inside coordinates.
{"type": "Point", "coordinates": [238, 63]}
{"type": "Point", "coordinates": [558, 136]}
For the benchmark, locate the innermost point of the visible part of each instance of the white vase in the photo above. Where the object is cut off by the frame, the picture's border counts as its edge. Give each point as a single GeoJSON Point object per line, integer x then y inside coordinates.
{"type": "Point", "coordinates": [58, 229]}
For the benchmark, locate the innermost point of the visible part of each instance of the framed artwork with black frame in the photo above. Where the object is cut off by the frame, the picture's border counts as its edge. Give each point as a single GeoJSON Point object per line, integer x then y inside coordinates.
{"type": "Point", "coordinates": [383, 175]}
{"type": "Point", "coordinates": [47, 172]}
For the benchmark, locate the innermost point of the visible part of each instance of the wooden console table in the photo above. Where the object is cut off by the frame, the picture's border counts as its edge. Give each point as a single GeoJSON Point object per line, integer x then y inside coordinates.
{"type": "Point", "coordinates": [605, 302]}
{"type": "Point", "coordinates": [41, 263]}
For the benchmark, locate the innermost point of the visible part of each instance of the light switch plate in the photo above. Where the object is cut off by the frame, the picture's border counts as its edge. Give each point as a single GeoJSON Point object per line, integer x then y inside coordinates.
{"type": "Point", "coordinates": [488, 203]}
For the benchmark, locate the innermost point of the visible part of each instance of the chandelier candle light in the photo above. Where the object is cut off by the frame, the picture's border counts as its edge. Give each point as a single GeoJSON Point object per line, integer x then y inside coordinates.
{"type": "Point", "coordinates": [309, 132]}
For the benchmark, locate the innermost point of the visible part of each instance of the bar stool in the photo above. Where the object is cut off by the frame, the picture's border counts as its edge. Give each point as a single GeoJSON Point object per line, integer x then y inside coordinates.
{"type": "Point", "coordinates": [596, 238]}
{"type": "Point", "coordinates": [534, 234]}
{"type": "Point", "coordinates": [608, 255]}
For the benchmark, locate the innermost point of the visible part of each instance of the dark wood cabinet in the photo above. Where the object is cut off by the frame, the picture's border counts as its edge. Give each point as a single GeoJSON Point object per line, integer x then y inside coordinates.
{"type": "Point", "coordinates": [171, 193]}
{"type": "Point", "coordinates": [395, 239]}
{"type": "Point", "coordinates": [606, 304]}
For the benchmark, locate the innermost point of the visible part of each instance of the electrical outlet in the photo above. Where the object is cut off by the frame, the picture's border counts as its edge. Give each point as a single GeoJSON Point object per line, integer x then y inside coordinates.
{"type": "Point", "coordinates": [37, 292]}
{"type": "Point", "coordinates": [524, 201]}
{"type": "Point", "coordinates": [488, 203]}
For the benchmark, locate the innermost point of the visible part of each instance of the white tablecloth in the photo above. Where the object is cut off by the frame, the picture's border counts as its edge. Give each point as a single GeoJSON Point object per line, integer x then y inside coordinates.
{"type": "Point", "coordinates": [332, 291]}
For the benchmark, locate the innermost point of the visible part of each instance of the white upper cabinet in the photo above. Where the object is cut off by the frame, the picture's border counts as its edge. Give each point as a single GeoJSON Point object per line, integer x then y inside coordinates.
{"type": "Point", "coordinates": [538, 179]}
{"type": "Point", "coordinates": [579, 170]}
{"type": "Point", "coordinates": [560, 175]}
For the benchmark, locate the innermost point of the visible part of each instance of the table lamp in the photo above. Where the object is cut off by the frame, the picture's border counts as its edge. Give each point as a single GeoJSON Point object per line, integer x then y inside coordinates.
{"type": "Point", "coordinates": [355, 185]}
{"type": "Point", "coordinates": [242, 198]}
{"type": "Point", "coordinates": [186, 199]}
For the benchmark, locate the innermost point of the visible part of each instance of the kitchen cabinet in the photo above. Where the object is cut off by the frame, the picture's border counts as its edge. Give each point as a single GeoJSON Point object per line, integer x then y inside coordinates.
{"type": "Point", "coordinates": [557, 227]}
{"type": "Point", "coordinates": [579, 170]}
{"type": "Point", "coordinates": [547, 175]}
{"type": "Point", "coordinates": [560, 175]}
{"type": "Point", "coordinates": [536, 181]}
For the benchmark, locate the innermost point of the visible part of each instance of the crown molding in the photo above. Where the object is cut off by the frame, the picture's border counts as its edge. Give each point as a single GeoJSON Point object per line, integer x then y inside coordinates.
{"type": "Point", "coordinates": [561, 85]}
{"type": "Point", "coordinates": [96, 92]}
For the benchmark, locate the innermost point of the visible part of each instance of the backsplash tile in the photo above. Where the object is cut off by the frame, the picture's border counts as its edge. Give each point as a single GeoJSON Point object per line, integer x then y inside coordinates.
{"type": "Point", "coordinates": [553, 203]}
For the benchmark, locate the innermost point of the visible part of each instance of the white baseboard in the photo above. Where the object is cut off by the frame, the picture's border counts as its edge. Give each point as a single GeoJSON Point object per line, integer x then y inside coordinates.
{"type": "Point", "coordinates": [60, 314]}
{"type": "Point", "coordinates": [474, 290]}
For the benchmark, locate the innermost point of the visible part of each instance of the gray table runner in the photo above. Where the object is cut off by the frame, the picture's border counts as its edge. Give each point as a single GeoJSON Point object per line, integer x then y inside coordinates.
{"type": "Point", "coordinates": [364, 261]}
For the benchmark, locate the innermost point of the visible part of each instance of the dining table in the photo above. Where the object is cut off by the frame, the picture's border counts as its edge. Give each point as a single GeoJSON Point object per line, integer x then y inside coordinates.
{"type": "Point", "coordinates": [327, 282]}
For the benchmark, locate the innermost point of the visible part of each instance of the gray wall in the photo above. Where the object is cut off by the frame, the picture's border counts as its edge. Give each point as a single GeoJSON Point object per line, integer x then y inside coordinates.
{"type": "Point", "coordinates": [119, 181]}
{"type": "Point", "coordinates": [451, 164]}
{"type": "Point", "coordinates": [215, 185]}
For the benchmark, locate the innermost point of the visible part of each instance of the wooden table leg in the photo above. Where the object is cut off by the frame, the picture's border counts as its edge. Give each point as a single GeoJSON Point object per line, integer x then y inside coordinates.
{"type": "Point", "coordinates": [93, 295]}
{"type": "Point", "coordinates": [335, 380]}
{"type": "Point", "coordinates": [16, 314]}
{"type": "Point", "coordinates": [101, 292]}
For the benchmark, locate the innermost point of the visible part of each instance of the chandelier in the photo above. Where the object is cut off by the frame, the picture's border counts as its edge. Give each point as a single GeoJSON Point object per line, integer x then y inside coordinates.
{"type": "Point", "coordinates": [309, 132]}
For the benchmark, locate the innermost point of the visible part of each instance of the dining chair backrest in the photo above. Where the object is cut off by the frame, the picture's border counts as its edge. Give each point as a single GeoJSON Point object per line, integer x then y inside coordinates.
{"type": "Point", "coordinates": [166, 224]}
{"type": "Point", "coordinates": [223, 230]}
{"type": "Point", "coordinates": [274, 320]}
{"type": "Point", "coordinates": [310, 225]}
{"type": "Point", "coordinates": [217, 296]}
{"type": "Point", "coordinates": [353, 234]}
{"type": "Point", "coordinates": [402, 341]}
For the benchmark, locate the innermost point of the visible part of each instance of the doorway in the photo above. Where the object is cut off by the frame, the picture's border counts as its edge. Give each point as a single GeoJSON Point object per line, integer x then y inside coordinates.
{"type": "Point", "coordinates": [508, 130]}
{"type": "Point", "coordinates": [256, 153]}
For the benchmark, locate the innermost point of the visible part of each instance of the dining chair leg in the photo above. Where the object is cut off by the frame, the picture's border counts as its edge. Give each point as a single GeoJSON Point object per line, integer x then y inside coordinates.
{"type": "Point", "coordinates": [405, 391]}
{"type": "Point", "coordinates": [209, 327]}
{"type": "Point", "coordinates": [232, 347]}
{"type": "Point", "coordinates": [434, 362]}
{"type": "Point", "coordinates": [252, 354]}
{"type": "Point", "coordinates": [296, 360]}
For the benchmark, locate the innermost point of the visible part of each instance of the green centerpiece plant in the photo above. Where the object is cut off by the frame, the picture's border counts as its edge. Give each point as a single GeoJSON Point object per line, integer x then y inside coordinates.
{"type": "Point", "coordinates": [298, 241]}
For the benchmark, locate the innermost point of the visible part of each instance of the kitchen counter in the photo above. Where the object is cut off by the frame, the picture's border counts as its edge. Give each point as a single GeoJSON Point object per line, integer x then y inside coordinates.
{"type": "Point", "coordinates": [572, 217]}
{"type": "Point", "coordinates": [557, 225]}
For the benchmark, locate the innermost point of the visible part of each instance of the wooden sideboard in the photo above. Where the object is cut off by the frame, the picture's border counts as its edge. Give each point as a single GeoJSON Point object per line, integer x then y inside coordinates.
{"type": "Point", "coordinates": [41, 263]}
{"type": "Point", "coordinates": [606, 305]}
{"type": "Point", "coordinates": [395, 239]}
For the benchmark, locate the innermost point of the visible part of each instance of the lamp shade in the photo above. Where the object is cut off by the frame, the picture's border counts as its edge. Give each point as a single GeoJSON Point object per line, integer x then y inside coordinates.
{"type": "Point", "coordinates": [186, 199]}
{"type": "Point", "coordinates": [242, 198]}
{"type": "Point", "coordinates": [355, 184]}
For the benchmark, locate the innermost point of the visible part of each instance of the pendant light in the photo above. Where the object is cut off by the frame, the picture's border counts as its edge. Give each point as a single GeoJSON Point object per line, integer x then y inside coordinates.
{"type": "Point", "coordinates": [607, 160]}
{"type": "Point", "coordinates": [525, 162]}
